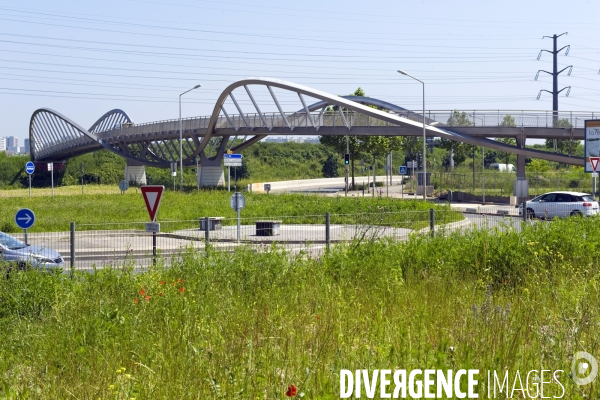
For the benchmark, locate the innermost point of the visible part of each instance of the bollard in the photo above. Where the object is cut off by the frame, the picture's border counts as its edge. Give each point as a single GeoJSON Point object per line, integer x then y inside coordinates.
{"type": "Point", "coordinates": [431, 221]}
{"type": "Point", "coordinates": [72, 248]}
{"type": "Point", "coordinates": [327, 231]}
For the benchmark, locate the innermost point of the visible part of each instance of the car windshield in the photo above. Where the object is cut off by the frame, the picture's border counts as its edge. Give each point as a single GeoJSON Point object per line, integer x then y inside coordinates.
{"type": "Point", "coordinates": [11, 242]}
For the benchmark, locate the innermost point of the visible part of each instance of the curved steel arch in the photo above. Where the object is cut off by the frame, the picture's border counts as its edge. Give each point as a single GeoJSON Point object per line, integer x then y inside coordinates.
{"type": "Point", "coordinates": [49, 126]}
{"type": "Point", "coordinates": [109, 120]}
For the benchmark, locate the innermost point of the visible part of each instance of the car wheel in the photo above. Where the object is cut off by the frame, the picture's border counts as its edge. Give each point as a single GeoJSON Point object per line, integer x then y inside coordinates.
{"type": "Point", "coordinates": [576, 213]}
{"type": "Point", "coordinates": [530, 213]}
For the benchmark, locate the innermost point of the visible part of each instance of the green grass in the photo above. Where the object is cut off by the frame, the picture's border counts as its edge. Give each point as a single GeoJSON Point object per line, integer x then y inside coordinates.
{"type": "Point", "coordinates": [247, 325]}
{"type": "Point", "coordinates": [55, 213]}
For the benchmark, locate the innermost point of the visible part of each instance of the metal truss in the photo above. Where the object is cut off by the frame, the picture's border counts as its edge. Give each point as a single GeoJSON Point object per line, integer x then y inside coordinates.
{"type": "Point", "coordinates": [55, 137]}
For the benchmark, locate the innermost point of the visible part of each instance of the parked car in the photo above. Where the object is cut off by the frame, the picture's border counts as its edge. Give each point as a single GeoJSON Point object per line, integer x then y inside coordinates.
{"type": "Point", "coordinates": [561, 204]}
{"type": "Point", "coordinates": [19, 254]}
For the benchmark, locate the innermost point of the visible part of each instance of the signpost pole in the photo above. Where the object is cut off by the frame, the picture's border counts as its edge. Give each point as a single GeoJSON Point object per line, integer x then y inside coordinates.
{"type": "Point", "coordinates": [228, 178]}
{"type": "Point", "coordinates": [82, 178]}
{"type": "Point", "coordinates": [29, 185]}
{"type": "Point", "coordinates": [238, 222]}
{"type": "Point", "coordinates": [25, 234]}
{"type": "Point", "coordinates": [153, 248]}
{"type": "Point", "coordinates": [52, 179]}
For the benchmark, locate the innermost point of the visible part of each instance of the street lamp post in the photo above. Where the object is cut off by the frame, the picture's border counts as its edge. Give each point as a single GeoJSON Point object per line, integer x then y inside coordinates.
{"type": "Point", "coordinates": [181, 139]}
{"type": "Point", "coordinates": [424, 137]}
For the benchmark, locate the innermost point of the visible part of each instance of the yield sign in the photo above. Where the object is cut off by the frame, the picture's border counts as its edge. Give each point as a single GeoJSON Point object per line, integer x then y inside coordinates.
{"type": "Point", "coordinates": [152, 195]}
{"type": "Point", "coordinates": [594, 162]}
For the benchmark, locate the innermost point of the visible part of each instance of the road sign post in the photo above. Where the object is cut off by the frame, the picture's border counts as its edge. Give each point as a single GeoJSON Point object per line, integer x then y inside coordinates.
{"type": "Point", "coordinates": [123, 186]}
{"type": "Point", "coordinates": [51, 169]}
{"type": "Point", "coordinates": [29, 168]}
{"type": "Point", "coordinates": [402, 171]}
{"type": "Point", "coordinates": [237, 202]}
{"type": "Point", "coordinates": [25, 219]}
{"type": "Point", "coordinates": [594, 163]}
{"type": "Point", "coordinates": [152, 196]}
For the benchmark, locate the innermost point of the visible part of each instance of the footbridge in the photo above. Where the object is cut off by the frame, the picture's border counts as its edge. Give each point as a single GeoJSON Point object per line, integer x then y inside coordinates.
{"type": "Point", "coordinates": [55, 137]}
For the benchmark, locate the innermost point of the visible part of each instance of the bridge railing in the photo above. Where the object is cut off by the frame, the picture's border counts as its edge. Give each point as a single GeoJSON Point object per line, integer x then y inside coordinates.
{"type": "Point", "coordinates": [477, 118]}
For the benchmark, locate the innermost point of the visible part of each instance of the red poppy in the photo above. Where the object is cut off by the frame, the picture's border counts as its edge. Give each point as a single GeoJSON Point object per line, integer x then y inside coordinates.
{"type": "Point", "coordinates": [179, 280]}
{"type": "Point", "coordinates": [142, 291]}
{"type": "Point", "coordinates": [291, 391]}
{"type": "Point", "coordinates": [136, 301]}
{"type": "Point", "coordinates": [318, 317]}
{"type": "Point", "coordinates": [147, 298]}
{"type": "Point", "coordinates": [162, 282]}
{"type": "Point", "coordinates": [160, 293]}
{"type": "Point", "coordinates": [181, 289]}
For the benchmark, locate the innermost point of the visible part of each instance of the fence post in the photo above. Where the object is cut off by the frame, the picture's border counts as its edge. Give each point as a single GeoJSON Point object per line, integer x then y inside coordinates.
{"type": "Point", "coordinates": [327, 231]}
{"type": "Point", "coordinates": [525, 209]}
{"type": "Point", "coordinates": [431, 221]}
{"type": "Point", "coordinates": [206, 234]}
{"type": "Point", "coordinates": [72, 247]}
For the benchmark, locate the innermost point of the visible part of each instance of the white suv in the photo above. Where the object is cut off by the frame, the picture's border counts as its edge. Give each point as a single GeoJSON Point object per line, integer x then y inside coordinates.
{"type": "Point", "coordinates": [561, 204]}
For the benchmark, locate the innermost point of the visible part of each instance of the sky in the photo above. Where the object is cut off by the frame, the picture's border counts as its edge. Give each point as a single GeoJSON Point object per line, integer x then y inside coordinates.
{"type": "Point", "coordinates": [83, 58]}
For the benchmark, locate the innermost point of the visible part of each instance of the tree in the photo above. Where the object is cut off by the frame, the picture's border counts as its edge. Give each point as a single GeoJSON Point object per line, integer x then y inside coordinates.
{"type": "Point", "coordinates": [240, 172]}
{"type": "Point", "coordinates": [562, 145]}
{"type": "Point", "coordinates": [331, 167]}
{"type": "Point", "coordinates": [379, 145]}
{"type": "Point", "coordinates": [508, 122]}
{"type": "Point", "coordinates": [338, 143]}
{"type": "Point", "coordinates": [458, 151]}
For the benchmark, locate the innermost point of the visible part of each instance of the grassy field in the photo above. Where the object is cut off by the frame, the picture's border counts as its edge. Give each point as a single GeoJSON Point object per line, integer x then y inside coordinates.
{"type": "Point", "coordinates": [248, 325]}
{"type": "Point", "coordinates": [103, 205]}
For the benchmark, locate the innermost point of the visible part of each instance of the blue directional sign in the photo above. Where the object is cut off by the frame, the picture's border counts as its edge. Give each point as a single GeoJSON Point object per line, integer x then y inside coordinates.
{"type": "Point", "coordinates": [402, 170]}
{"type": "Point", "coordinates": [24, 218]}
{"type": "Point", "coordinates": [29, 167]}
{"type": "Point", "coordinates": [232, 156]}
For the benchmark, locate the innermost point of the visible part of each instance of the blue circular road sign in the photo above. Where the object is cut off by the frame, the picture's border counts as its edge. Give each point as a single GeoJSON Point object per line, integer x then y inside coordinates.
{"type": "Point", "coordinates": [29, 167]}
{"type": "Point", "coordinates": [24, 218]}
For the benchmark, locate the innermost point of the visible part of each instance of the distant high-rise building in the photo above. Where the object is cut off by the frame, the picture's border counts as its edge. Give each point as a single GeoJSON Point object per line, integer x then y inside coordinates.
{"type": "Point", "coordinates": [12, 141]}
{"type": "Point", "coordinates": [12, 149]}
{"type": "Point", "coordinates": [2, 144]}
{"type": "Point", "coordinates": [26, 146]}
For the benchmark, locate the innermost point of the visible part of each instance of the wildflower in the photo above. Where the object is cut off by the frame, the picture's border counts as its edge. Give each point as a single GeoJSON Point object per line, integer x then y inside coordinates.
{"type": "Point", "coordinates": [291, 391]}
{"type": "Point", "coordinates": [111, 387]}
{"type": "Point", "coordinates": [318, 317]}
{"type": "Point", "coordinates": [128, 376]}
{"type": "Point", "coordinates": [162, 282]}
{"type": "Point", "coordinates": [147, 298]}
{"type": "Point", "coordinates": [179, 280]}
{"type": "Point", "coordinates": [181, 289]}
{"type": "Point", "coordinates": [136, 301]}
{"type": "Point", "coordinates": [142, 291]}
{"type": "Point", "coordinates": [160, 293]}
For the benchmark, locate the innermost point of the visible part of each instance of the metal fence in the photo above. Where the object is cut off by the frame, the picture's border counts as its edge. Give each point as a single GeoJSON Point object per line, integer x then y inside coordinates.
{"type": "Point", "coordinates": [90, 246]}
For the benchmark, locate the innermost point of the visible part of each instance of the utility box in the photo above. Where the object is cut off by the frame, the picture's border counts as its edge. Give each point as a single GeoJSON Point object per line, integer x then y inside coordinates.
{"type": "Point", "coordinates": [214, 223]}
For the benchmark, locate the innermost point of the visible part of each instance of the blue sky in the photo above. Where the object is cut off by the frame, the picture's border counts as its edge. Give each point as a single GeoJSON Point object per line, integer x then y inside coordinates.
{"type": "Point", "coordinates": [85, 58]}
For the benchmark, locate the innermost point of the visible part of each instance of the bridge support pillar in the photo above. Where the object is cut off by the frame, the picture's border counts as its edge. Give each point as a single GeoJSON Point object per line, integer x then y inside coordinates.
{"type": "Point", "coordinates": [520, 186]}
{"type": "Point", "coordinates": [136, 174]}
{"type": "Point", "coordinates": [211, 175]}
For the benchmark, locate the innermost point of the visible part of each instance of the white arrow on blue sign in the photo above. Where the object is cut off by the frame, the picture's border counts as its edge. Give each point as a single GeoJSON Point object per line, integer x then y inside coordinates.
{"type": "Point", "coordinates": [232, 156]}
{"type": "Point", "coordinates": [24, 218]}
{"type": "Point", "coordinates": [29, 167]}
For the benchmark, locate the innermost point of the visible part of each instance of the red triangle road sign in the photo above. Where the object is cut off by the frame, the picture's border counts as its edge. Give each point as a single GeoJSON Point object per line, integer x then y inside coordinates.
{"type": "Point", "coordinates": [594, 162]}
{"type": "Point", "coordinates": [152, 195]}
